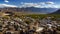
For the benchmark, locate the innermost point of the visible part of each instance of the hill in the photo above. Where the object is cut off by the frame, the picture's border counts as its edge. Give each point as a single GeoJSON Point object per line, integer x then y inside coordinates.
{"type": "Point", "coordinates": [29, 10]}
{"type": "Point", "coordinates": [56, 12]}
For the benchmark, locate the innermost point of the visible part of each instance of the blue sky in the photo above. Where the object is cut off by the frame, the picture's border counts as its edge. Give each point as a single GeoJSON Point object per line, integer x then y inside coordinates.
{"type": "Point", "coordinates": [30, 3]}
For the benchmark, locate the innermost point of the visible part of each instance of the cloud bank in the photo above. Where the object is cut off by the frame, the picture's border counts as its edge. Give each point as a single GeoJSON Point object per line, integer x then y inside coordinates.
{"type": "Point", "coordinates": [40, 5]}
{"type": "Point", "coordinates": [37, 5]}
{"type": "Point", "coordinates": [6, 5]}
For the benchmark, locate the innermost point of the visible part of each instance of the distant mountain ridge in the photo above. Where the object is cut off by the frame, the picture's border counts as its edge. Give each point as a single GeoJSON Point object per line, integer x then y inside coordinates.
{"type": "Point", "coordinates": [31, 9]}
{"type": "Point", "coordinates": [56, 12]}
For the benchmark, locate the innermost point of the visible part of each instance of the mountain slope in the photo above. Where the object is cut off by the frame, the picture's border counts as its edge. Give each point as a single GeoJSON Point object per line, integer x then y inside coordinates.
{"type": "Point", "coordinates": [56, 12]}
{"type": "Point", "coordinates": [39, 10]}
{"type": "Point", "coordinates": [32, 10]}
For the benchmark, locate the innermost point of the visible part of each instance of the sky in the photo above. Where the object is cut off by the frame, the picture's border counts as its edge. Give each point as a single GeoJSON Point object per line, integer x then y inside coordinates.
{"type": "Point", "coordinates": [30, 3]}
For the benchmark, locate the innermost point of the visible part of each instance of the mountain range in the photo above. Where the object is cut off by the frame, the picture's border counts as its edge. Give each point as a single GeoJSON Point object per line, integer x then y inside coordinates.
{"type": "Point", "coordinates": [56, 12]}
{"type": "Point", "coordinates": [32, 10]}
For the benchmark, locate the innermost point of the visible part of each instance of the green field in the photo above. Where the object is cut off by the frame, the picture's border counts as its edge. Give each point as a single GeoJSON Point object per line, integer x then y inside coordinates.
{"type": "Point", "coordinates": [41, 15]}
{"type": "Point", "coordinates": [36, 16]}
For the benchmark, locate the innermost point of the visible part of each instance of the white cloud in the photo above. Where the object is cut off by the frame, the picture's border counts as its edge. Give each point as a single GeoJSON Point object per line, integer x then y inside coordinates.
{"type": "Point", "coordinates": [43, 3]}
{"type": "Point", "coordinates": [37, 5]}
{"type": "Point", "coordinates": [29, 5]}
{"type": "Point", "coordinates": [6, 1]}
{"type": "Point", "coordinates": [40, 5]}
{"type": "Point", "coordinates": [6, 5]}
{"type": "Point", "coordinates": [49, 3]}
